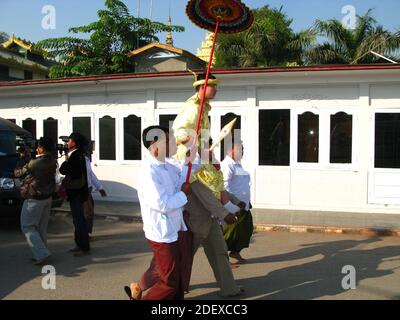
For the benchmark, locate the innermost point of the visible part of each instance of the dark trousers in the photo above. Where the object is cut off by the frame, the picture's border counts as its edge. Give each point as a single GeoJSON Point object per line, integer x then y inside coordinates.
{"type": "Point", "coordinates": [81, 230]}
{"type": "Point", "coordinates": [165, 272]}
{"type": "Point", "coordinates": [88, 208]}
{"type": "Point", "coordinates": [185, 245]}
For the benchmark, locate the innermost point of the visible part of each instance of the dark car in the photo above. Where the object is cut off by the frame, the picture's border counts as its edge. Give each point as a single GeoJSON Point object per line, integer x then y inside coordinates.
{"type": "Point", "coordinates": [13, 137]}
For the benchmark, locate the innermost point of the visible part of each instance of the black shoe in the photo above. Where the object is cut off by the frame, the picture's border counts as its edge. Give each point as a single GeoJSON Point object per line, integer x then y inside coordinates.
{"type": "Point", "coordinates": [128, 292]}
{"type": "Point", "coordinates": [76, 249]}
{"type": "Point", "coordinates": [81, 253]}
{"type": "Point", "coordinates": [41, 262]}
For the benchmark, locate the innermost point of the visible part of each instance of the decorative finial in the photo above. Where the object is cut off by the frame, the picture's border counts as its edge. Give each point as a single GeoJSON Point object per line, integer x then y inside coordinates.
{"type": "Point", "coordinates": [169, 41]}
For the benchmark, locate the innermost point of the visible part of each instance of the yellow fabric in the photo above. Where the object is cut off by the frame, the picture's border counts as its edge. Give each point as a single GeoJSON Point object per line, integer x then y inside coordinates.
{"type": "Point", "coordinates": [185, 124]}
{"type": "Point", "coordinates": [211, 178]}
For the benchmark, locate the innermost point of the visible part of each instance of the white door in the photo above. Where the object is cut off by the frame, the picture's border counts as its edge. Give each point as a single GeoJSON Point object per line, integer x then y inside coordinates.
{"type": "Point", "coordinates": [384, 173]}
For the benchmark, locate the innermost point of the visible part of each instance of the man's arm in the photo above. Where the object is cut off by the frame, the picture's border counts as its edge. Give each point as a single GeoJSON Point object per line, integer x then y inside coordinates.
{"type": "Point", "coordinates": [21, 172]}
{"type": "Point", "coordinates": [209, 201]}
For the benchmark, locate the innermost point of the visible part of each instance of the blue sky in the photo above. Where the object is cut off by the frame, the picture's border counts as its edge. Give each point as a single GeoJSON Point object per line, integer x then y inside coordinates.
{"type": "Point", "coordinates": [24, 17]}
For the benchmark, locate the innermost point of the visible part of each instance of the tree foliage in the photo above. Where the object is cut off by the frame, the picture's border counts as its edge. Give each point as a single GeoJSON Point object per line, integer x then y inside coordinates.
{"type": "Point", "coordinates": [348, 46]}
{"type": "Point", "coordinates": [270, 41]}
{"type": "Point", "coordinates": [3, 37]}
{"type": "Point", "coordinates": [105, 51]}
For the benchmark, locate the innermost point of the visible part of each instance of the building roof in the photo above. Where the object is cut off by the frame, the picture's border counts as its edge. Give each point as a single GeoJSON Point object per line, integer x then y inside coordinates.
{"type": "Point", "coordinates": [247, 71]}
{"type": "Point", "coordinates": [25, 44]}
{"type": "Point", "coordinates": [164, 47]}
{"type": "Point", "coordinates": [30, 57]}
{"type": "Point", "coordinates": [12, 58]}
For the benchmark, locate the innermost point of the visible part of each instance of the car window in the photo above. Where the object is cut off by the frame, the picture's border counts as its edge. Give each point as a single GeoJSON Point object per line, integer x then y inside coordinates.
{"type": "Point", "coordinates": [7, 143]}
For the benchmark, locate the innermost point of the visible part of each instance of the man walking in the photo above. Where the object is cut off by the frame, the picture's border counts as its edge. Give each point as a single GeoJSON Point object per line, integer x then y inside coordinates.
{"type": "Point", "coordinates": [38, 185]}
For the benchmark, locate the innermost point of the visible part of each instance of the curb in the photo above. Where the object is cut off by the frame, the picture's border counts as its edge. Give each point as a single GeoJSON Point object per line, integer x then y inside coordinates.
{"type": "Point", "coordinates": [372, 232]}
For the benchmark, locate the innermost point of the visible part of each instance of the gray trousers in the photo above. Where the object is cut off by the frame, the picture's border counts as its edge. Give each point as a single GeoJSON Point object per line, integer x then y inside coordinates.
{"type": "Point", "coordinates": [34, 220]}
{"type": "Point", "coordinates": [216, 251]}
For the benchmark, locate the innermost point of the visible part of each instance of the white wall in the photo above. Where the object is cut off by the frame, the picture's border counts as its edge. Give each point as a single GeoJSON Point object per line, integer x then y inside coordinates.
{"type": "Point", "coordinates": [321, 186]}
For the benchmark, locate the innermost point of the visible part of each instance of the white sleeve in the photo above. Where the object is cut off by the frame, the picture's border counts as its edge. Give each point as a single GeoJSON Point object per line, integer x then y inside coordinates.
{"type": "Point", "coordinates": [228, 172]}
{"type": "Point", "coordinates": [157, 198]}
{"type": "Point", "coordinates": [95, 181]}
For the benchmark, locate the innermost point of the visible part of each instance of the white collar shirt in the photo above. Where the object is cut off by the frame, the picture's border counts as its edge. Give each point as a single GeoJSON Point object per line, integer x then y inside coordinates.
{"type": "Point", "coordinates": [161, 200]}
{"type": "Point", "coordinates": [236, 180]}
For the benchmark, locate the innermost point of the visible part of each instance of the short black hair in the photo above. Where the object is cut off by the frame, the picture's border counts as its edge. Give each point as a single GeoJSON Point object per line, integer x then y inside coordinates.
{"type": "Point", "coordinates": [153, 134]}
{"type": "Point", "coordinates": [79, 139]}
{"type": "Point", "coordinates": [202, 76]}
{"type": "Point", "coordinates": [46, 143]}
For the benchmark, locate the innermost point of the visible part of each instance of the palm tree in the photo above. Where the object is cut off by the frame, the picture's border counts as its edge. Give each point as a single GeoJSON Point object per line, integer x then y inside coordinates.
{"type": "Point", "coordinates": [269, 42]}
{"type": "Point", "coordinates": [346, 46]}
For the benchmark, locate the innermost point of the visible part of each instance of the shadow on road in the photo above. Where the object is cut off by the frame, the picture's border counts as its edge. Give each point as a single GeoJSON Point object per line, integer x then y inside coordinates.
{"type": "Point", "coordinates": [108, 248]}
{"type": "Point", "coordinates": [316, 279]}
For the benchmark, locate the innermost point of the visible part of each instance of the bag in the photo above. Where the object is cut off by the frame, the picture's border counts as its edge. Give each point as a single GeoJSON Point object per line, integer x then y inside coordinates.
{"type": "Point", "coordinates": [62, 191]}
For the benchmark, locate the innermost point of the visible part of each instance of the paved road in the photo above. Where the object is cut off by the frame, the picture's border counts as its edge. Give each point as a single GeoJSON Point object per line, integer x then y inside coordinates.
{"type": "Point", "coordinates": [280, 265]}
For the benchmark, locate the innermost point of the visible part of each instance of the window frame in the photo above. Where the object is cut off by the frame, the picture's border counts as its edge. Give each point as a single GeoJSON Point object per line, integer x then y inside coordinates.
{"type": "Point", "coordinates": [120, 137]}
{"type": "Point", "coordinates": [352, 166]}
{"type": "Point", "coordinates": [258, 136]}
{"type": "Point", "coordinates": [118, 147]}
{"type": "Point", "coordinates": [294, 118]}
{"type": "Point", "coordinates": [373, 113]}
{"type": "Point", "coordinates": [324, 138]}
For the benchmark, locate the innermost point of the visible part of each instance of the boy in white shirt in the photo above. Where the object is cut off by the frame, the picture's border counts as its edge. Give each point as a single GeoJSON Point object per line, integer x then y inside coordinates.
{"type": "Point", "coordinates": [162, 197]}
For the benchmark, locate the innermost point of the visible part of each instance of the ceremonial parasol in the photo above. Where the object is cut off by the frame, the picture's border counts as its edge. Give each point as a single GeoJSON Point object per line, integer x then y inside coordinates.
{"type": "Point", "coordinates": [219, 16]}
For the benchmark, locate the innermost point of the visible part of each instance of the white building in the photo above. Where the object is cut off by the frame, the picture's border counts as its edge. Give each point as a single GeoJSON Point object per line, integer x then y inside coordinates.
{"type": "Point", "coordinates": [316, 138]}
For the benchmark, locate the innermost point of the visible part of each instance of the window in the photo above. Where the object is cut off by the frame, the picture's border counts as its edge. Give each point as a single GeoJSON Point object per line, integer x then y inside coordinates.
{"type": "Point", "coordinates": [274, 137]}
{"type": "Point", "coordinates": [235, 133]}
{"type": "Point", "coordinates": [387, 140]}
{"type": "Point", "coordinates": [341, 138]}
{"type": "Point", "coordinates": [166, 120]}
{"type": "Point", "coordinates": [7, 143]}
{"type": "Point", "coordinates": [28, 75]}
{"type": "Point", "coordinates": [107, 138]}
{"type": "Point", "coordinates": [132, 138]}
{"type": "Point", "coordinates": [308, 136]}
{"type": "Point", "coordinates": [83, 126]}
{"type": "Point", "coordinates": [50, 129]}
{"type": "Point", "coordinates": [30, 125]}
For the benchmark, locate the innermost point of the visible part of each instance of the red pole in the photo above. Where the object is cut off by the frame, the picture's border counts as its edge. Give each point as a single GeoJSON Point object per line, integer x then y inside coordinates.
{"type": "Point", "coordinates": [203, 97]}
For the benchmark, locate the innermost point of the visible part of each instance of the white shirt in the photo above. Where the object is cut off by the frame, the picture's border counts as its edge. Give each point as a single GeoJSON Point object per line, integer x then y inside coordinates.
{"type": "Point", "coordinates": [71, 152]}
{"type": "Point", "coordinates": [93, 181]}
{"type": "Point", "coordinates": [161, 200]}
{"type": "Point", "coordinates": [236, 180]}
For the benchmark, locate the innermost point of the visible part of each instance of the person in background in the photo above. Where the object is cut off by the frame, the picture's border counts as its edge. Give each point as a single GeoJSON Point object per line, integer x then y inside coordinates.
{"type": "Point", "coordinates": [74, 168]}
{"type": "Point", "coordinates": [37, 187]}
{"type": "Point", "coordinates": [237, 182]}
{"type": "Point", "coordinates": [94, 184]}
{"type": "Point", "coordinates": [24, 157]}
